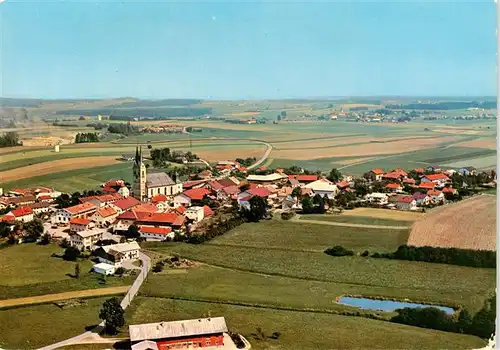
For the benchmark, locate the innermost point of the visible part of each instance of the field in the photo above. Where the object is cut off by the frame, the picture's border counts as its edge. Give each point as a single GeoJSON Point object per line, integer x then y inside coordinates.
{"type": "Point", "coordinates": [469, 224]}
{"type": "Point", "coordinates": [373, 213]}
{"type": "Point", "coordinates": [32, 327]}
{"type": "Point", "coordinates": [30, 270]}
{"type": "Point", "coordinates": [351, 219]}
{"type": "Point", "coordinates": [260, 274]}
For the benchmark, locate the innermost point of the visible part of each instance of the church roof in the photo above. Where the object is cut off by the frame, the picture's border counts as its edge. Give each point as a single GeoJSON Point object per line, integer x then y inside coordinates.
{"type": "Point", "coordinates": [158, 180]}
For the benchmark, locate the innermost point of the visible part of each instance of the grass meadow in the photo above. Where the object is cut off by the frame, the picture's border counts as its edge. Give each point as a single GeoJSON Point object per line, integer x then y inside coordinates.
{"type": "Point", "coordinates": [363, 220]}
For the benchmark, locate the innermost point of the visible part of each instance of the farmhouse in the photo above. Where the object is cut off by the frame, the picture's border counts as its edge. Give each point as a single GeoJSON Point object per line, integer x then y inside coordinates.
{"type": "Point", "coordinates": [450, 190]}
{"type": "Point", "coordinates": [427, 185]}
{"type": "Point", "coordinates": [376, 174]}
{"type": "Point", "coordinates": [377, 198]}
{"type": "Point", "coordinates": [40, 207]}
{"type": "Point", "coordinates": [403, 202]}
{"type": "Point", "coordinates": [440, 180]}
{"type": "Point", "coordinates": [103, 199]}
{"type": "Point", "coordinates": [22, 214]}
{"type": "Point", "coordinates": [195, 214]}
{"type": "Point", "coordinates": [78, 211]}
{"type": "Point", "coordinates": [436, 196]}
{"type": "Point", "coordinates": [115, 254]}
{"type": "Point", "coordinates": [125, 204]}
{"type": "Point", "coordinates": [396, 188]}
{"type": "Point", "coordinates": [186, 334]}
{"type": "Point", "coordinates": [79, 224]}
{"type": "Point", "coordinates": [151, 233]}
{"type": "Point", "coordinates": [304, 179]}
{"type": "Point", "coordinates": [323, 187]}
{"type": "Point", "coordinates": [85, 239]}
{"type": "Point", "coordinates": [172, 220]}
{"type": "Point", "coordinates": [421, 198]}
{"type": "Point", "coordinates": [104, 216]}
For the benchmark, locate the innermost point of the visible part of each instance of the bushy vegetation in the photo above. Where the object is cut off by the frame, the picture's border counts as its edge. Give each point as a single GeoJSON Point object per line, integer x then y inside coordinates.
{"type": "Point", "coordinates": [10, 139]}
{"type": "Point", "coordinates": [123, 128]}
{"type": "Point", "coordinates": [215, 230]}
{"type": "Point", "coordinates": [161, 156]}
{"type": "Point", "coordinates": [157, 113]}
{"type": "Point", "coordinates": [339, 251]}
{"type": "Point", "coordinates": [246, 162]}
{"type": "Point", "coordinates": [71, 254]}
{"type": "Point", "coordinates": [86, 137]}
{"type": "Point", "coordinates": [287, 215]}
{"type": "Point", "coordinates": [452, 256]}
{"type": "Point", "coordinates": [481, 325]}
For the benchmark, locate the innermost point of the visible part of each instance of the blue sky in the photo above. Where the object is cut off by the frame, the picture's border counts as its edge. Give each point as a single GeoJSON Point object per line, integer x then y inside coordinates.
{"type": "Point", "coordinates": [238, 50]}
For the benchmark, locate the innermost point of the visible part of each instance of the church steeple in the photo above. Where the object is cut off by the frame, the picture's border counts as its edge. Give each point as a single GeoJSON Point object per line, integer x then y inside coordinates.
{"type": "Point", "coordinates": [139, 171]}
{"type": "Point", "coordinates": [138, 155]}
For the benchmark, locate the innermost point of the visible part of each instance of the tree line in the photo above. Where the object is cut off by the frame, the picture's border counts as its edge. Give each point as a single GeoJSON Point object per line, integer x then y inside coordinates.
{"type": "Point", "coordinates": [86, 137]}
{"type": "Point", "coordinates": [10, 139]}
{"type": "Point", "coordinates": [123, 128]}
{"type": "Point", "coordinates": [162, 156]}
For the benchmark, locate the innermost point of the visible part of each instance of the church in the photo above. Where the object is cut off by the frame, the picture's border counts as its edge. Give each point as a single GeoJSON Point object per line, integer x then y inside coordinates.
{"type": "Point", "coordinates": [148, 185]}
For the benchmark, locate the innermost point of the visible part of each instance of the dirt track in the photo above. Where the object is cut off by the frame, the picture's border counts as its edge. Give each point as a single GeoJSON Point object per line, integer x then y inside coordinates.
{"type": "Point", "coordinates": [55, 166]}
{"type": "Point", "coordinates": [63, 296]}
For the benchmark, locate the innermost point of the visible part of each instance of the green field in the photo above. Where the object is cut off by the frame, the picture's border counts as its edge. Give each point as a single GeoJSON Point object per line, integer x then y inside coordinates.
{"type": "Point", "coordinates": [30, 269]}
{"type": "Point", "coordinates": [301, 330]}
{"type": "Point", "coordinates": [364, 220]}
{"type": "Point", "coordinates": [32, 327]}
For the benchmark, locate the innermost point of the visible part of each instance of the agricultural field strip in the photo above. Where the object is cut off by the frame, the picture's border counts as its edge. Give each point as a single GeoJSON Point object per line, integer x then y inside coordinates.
{"type": "Point", "coordinates": [344, 224]}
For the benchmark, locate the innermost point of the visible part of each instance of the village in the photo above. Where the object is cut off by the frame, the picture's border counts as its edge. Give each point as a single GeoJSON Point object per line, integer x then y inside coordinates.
{"type": "Point", "coordinates": [109, 223]}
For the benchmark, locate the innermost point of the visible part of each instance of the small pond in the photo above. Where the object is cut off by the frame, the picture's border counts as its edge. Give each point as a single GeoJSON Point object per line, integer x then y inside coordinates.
{"type": "Point", "coordinates": [387, 305]}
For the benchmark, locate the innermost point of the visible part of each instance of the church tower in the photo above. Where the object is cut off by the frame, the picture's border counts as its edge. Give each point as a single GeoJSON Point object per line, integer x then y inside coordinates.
{"type": "Point", "coordinates": [139, 169]}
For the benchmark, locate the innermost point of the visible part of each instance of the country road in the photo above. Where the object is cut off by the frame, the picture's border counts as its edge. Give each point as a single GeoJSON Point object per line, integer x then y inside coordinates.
{"type": "Point", "coordinates": [264, 157]}
{"type": "Point", "coordinates": [93, 336]}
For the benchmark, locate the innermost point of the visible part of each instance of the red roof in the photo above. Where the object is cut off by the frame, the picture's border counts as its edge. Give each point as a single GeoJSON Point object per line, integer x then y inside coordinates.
{"type": "Point", "coordinates": [427, 185]}
{"type": "Point", "coordinates": [409, 181]}
{"type": "Point", "coordinates": [22, 211]}
{"type": "Point", "coordinates": [215, 185]}
{"type": "Point", "coordinates": [393, 186]}
{"type": "Point", "coordinates": [20, 190]}
{"type": "Point", "coordinates": [159, 198]}
{"type": "Point", "coordinates": [179, 221]}
{"type": "Point", "coordinates": [401, 171]}
{"type": "Point", "coordinates": [79, 221]}
{"type": "Point", "coordinates": [377, 171]}
{"type": "Point", "coordinates": [126, 203]}
{"type": "Point", "coordinates": [392, 175]}
{"type": "Point", "coordinates": [449, 190]}
{"type": "Point", "coordinates": [433, 193]}
{"type": "Point", "coordinates": [180, 209]}
{"type": "Point", "coordinates": [207, 210]}
{"type": "Point", "coordinates": [196, 193]}
{"type": "Point", "coordinates": [106, 212]}
{"type": "Point", "coordinates": [434, 177]}
{"type": "Point", "coordinates": [79, 208]}
{"type": "Point", "coordinates": [419, 170]}
{"type": "Point", "coordinates": [231, 189]}
{"type": "Point", "coordinates": [404, 199]}
{"type": "Point", "coordinates": [114, 183]}
{"type": "Point", "coordinates": [160, 217]}
{"type": "Point", "coordinates": [226, 182]}
{"type": "Point", "coordinates": [343, 184]}
{"type": "Point", "coordinates": [192, 183]}
{"type": "Point", "coordinates": [105, 198]}
{"type": "Point", "coordinates": [45, 197]}
{"type": "Point", "coordinates": [109, 189]}
{"type": "Point", "coordinates": [259, 191]}
{"type": "Point", "coordinates": [304, 177]}
{"type": "Point", "coordinates": [146, 208]}
{"type": "Point", "coordinates": [155, 230]}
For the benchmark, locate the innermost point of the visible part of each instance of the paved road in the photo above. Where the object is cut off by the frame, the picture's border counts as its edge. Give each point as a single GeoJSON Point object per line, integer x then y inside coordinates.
{"type": "Point", "coordinates": [93, 334]}
{"type": "Point", "coordinates": [63, 296]}
{"type": "Point", "coordinates": [264, 157]}
{"type": "Point", "coordinates": [346, 224]}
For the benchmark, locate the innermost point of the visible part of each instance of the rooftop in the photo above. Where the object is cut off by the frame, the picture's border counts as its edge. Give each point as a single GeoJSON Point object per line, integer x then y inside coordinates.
{"type": "Point", "coordinates": [175, 329]}
{"type": "Point", "coordinates": [80, 208]}
{"type": "Point", "coordinates": [270, 177]}
{"type": "Point", "coordinates": [158, 180]}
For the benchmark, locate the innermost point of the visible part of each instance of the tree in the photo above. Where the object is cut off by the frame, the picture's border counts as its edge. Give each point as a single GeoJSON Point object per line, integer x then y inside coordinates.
{"type": "Point", "coordinates": [283, 113]}
{"type": "Point", "coordinates": [77, 270]}
{"type": "Point", "coordinates": [9, 139]}
{"type": "Point", "coordinates": [4, 230]}
{"type": "Point", "coordinates": [33, 229]}
{"type": "Point", "coordinates": [133, 232]}
{"type": "Point", "coordinates": [45, 239]}
{"type": "Point", "coordinates": [112, 314]}
{"type": "Point", "coordinates": [297, 192]}
{"type": "Point", "coordinates": [258, 209]}
{"type": "Point", "coordinates": [71, 254]}
{"type": "Point", "coordinates": [307, 205]}
{"type": "Point", "coordinates": [334, 175]}
{"type": "Point", "coordinates": [278, 118]}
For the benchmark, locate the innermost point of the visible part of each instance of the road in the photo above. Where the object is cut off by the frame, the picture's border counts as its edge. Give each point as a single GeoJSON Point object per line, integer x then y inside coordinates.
{"type": "Point", "coordinates": [264, 157]}
{"type": "Point", "coordinates": [92, 336]}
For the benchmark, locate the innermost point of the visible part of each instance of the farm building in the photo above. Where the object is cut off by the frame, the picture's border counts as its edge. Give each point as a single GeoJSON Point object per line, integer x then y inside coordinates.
{"type": "Point", "coordinates": [195, 213]}
{"type": "Point", "coordinates": [403, 202]}
{"type": "Point", "coordinates": [186, 334]}
{"type": "Point", "coordinates": [79, 224]}
{"type": "Point", "coordinates": [115, 254]}
{"type": "Point", "coordinates": [85, 239]}
{"type": "Point", "coordinates": [104, 269]}
{"type": "Point", "coordinates": [266, 179]}
{"type": "Point", "coordinates": [323, 188]}
{"type": "Point", "coordinates": [151, 233]}
{"type": "Point", "coordinates": [23, 214]}
{"type": "Point", "coordinates": [83, 210]}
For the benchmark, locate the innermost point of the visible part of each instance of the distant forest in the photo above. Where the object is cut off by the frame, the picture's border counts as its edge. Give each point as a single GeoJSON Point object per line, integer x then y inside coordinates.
{"type": "Point", "coordinates": [445, 105]}
{"type": "Point", "coordinates": [129, 114]}
{"type": "Point", "coordinates": [158, 103]}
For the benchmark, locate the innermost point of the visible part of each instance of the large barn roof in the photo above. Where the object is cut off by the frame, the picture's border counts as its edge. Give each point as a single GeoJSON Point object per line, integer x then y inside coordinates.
{"type": "Point", "coordinates": [158, 180]}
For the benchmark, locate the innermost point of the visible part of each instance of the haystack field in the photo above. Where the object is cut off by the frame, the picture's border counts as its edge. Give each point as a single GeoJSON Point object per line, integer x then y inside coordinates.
{"type": "Point", "coordinates": [470, 224]}
{"type": "Point", "coordinates": [56, 166]}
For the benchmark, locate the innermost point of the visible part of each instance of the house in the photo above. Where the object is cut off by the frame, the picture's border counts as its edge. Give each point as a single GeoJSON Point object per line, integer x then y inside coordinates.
{"type": "Point", "coordinates": [18, 201]}
{"type": "Point", "coordinates": [79, 224]}
{"type": "Point", "coordinates": [85, 240]}
{"type": "Point", "coordinates": [393, 176]}
{"type": "Point", "coordinates": [467, 171]}
{"type": "Point", "coordinates": [162, 220]}
{"type": "Point", "coordinates": [395, 188]}
{"type": "Point", "coordinates": [195, 214]}
{"type": "Point", "coordinates": [433, 169]}
{"type": "Point", "coordinates": [421, 198]}
{"type": "Point", "coordinates": [436, 196]}
{"type": "Point", "coordinates": [105, 216]}
{"type": "Point", "coordinates": [409, 181]}
{"type": "Point", "coordinates": [303, 178]}
{"type": "Point", "coordinates": [185, 334]}
{"type": "Point", "coordinates": [343, 185]}
{"type": "Point", "coordinates": [104, 199]}
{"type": "Point", "coordinates": [63, 216]}
{"type": "Point", "coordinates": [151, 233]}
{"type": "Point", "coordinates": [323, 187]}
{"type": "Point", "coordinates": [192, 196]}
{"type": "Point", "coordinates": [419, 171]}
{"type": "Point", "coordinates": [193, 184]}
{"type": "Point", "coordinates": [205, 174]}
{"type": "Point", "coordinates": [115, 254]}
{"type": "Point", "coordinates": [40, 207]}
{"type": "Point", "coordinates": [104, 269]}
{"type": "Point", "coordinates": [267, 179]}
{"type": "Point", "coordinates": [440, 180]}
{"type": "Point", "coordinates": [228, 192]}
{"type": "Point", "coordinates": [449, 172]}
{"type": "Point", "coordinates": [125, 204]}
{"type": "Point", "coordinates": [124, 220]}
{"type": "Point", "coordinates": [207, 211]}
{"type": "Point", "coordinates": [403, 202]}
{"type": "Point", "coordinates": [22, 214]}
{"type": "Point", "coordinates": [450, 190]}
{"type": "Point", "coordinates": [376, 174]}
{"type": "Point", "coordinates": [377, 198]}
{"type": "Point", "coordinates": [427, 185]}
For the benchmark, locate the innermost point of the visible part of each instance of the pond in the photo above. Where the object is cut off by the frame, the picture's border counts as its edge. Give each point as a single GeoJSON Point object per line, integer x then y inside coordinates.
{"type": "Point", "coordinates": [387, 305]}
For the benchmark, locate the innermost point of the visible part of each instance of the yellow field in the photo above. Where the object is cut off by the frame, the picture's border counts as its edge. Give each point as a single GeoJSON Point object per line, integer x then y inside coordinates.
{"type": "Point", "coordinates": [384, 214]}
{"type": "Point", "coordinates": [55, 166]}
{"type": "Point", "coordinates": [469, 224]}
{"type": "Point", "coordinates": [480, 143]}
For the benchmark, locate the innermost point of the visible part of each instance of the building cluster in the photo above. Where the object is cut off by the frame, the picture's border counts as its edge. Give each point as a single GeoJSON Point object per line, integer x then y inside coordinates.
{"type": "Point", "coordinates": [22, 204]}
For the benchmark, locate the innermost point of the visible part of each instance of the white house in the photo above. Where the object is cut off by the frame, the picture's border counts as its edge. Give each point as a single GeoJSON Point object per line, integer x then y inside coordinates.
{"type": "Point", "coordinates": [440, 180]}
{"type": "Point", "coordinates": [23, 214]}
{"type": "Point", "coordinates": [115, 254]}
{"type": "Point", "coordinates": [151, 233]}
{"type": "Point", "coordinates": [104, 216]}
{"type": "Point", "coordinates": [436, 196]}
{"type": "Point", "coordinates": [85, 239]}
{"type": "Point", "coordinates": [40, 207]}
{"type": "Point", "coordinates": [79, 224]}
{"type": "Point", "coordinates": [323, 187]}
{"type": "Point", "coordinates": [182, 200]}
{"type": "Point", "coordinates": [195, 213]}
{"type": "Point", "coordinates": [83, 210]}
{"type": "Point", "coordinates": [403, 202]}
{"type": "Point", "coordinates": [104, 269]}
{"type": "Point", "coordinates": [378, 198]}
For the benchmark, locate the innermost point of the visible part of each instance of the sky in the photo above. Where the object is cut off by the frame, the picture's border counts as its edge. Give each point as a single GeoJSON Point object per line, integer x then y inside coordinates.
{"type": "Point", "coordinates": [246, 50]}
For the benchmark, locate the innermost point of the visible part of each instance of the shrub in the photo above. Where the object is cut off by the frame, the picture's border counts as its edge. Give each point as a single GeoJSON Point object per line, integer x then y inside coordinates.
{"type": "Point", "coordinates": [339, 251]}
{"type": "Point", "coordinates": [365, 253]}
{"type": "Point", "coordinates": [71, 254]}
{"type": "Point", "coordinates": [287, 216]}
{"type": "Point", "coordinates": [120, 271]}
{"type": "Point", "coordinates": [158, 267]}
